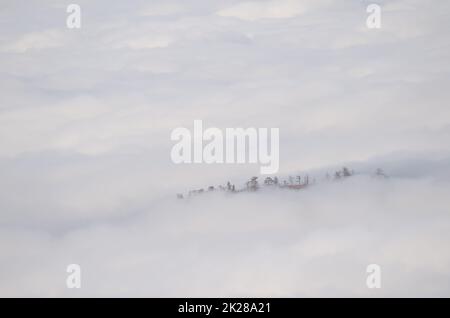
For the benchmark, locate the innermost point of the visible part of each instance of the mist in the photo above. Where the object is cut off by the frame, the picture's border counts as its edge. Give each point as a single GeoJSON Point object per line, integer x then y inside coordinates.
{"type": "Point", "coordinates": [86, 175]}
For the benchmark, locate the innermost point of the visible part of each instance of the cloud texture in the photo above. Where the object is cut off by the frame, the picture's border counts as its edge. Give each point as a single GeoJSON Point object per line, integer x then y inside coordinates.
{"type": "Point", "coordinates": [85, 170]}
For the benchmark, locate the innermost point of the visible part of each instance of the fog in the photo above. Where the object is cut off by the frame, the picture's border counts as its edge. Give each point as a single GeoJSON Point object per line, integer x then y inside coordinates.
{"type": "Point", "coordinates": [86, 175]}
{"type": "Point", "coordinates": [274, 242]}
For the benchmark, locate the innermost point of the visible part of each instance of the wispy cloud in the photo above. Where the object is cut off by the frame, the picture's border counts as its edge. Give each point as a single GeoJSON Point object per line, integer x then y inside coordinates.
{"type": "Point", "coordinates": [85, 123]}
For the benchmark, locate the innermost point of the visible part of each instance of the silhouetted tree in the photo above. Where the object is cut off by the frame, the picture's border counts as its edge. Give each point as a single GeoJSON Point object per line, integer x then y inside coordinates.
{"type": "Point", "coordinates": [253, 184]}
{"type": "Point", "coordinates": [380, 173]}
{"type": "Point", "coordinates": [346, 172]}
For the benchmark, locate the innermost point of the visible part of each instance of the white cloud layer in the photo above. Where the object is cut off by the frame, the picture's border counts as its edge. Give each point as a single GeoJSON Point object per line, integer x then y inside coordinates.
{"type": "Point", "coordinates": [85, 170]}
{"type": "Point", "coordinates": [281, 9]}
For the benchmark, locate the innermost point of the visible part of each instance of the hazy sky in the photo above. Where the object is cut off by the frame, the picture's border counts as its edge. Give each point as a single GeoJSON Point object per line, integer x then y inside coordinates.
{"type": "Point", "coordinates": [85, 122]}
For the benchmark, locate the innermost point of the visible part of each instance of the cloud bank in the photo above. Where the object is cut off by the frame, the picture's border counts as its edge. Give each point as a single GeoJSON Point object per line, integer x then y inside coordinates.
{"type": "Point", "coordinates": [85, 169]}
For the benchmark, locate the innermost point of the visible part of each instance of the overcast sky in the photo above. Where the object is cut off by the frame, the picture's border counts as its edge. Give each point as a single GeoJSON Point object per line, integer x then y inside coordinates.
{"type": "Point", "coordinates": [85, 122]}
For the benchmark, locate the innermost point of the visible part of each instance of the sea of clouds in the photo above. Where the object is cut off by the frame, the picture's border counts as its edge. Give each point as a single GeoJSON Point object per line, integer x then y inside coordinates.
{"type": "Point", "coordinates": [85, 170]}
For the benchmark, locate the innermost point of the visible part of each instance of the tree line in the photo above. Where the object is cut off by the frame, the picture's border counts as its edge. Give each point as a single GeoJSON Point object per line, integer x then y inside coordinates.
{"type": "Point", "coordinates": [297, 182]}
